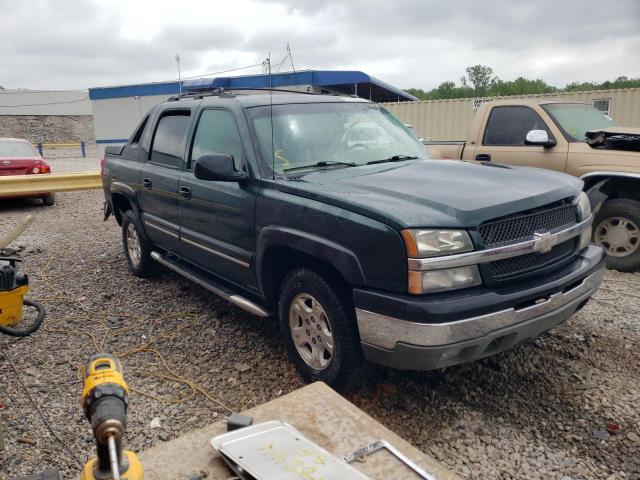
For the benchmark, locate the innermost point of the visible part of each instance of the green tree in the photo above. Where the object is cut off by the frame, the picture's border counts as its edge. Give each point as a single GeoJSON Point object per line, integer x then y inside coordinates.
{"type": "Point", "coordinates": [519, 86]}
{"type": "Point", "coordinates": [418, 92]}
{"type": "Point", "coordinates": [479, 76]}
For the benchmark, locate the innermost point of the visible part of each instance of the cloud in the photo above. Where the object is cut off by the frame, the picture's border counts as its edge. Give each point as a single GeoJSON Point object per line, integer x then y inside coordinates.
{"type": "Point", "coordinates": [410, 43]}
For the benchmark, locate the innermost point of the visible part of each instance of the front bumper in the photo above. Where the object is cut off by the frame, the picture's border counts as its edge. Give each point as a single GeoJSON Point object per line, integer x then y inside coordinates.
{"type": "Point", "coordinates": [439, 331]}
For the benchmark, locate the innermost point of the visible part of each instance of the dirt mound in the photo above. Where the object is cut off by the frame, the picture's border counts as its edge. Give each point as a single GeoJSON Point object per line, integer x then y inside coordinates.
{"type": "Point", "coordinates": [48, 128]}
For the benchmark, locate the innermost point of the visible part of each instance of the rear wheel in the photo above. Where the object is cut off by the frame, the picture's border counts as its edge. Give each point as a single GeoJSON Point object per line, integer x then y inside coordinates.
{"type": "Point", "coordinates": [318, 326]}
{"type": "Point", "coordinates": [49, 199]}
{"type": "Point", "coordinates": [617, 230]}
{"type": "Point", "coordinates": [137, 248]}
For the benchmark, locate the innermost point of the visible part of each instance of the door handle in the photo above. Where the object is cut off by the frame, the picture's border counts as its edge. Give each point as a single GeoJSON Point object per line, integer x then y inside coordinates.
{"type": "Point", "coordinates": [483, 157]}
{"type": "Point", "coordinates": [184, 192]}
{"type": "Point", "coordinates": [146, 183]}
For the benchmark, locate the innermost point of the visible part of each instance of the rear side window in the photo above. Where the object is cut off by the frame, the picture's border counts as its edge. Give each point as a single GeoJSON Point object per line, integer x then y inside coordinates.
{"type": "Point", "coordinates": [170, 138]}
{"type": "Point", "coordinates": [217, 133]}
{"type": "Point", "coordinates": [510, 125]}
{"type": "Point", "coordinates": [138, 135]}
{"type": "Point", "coordinates": [131, 149]}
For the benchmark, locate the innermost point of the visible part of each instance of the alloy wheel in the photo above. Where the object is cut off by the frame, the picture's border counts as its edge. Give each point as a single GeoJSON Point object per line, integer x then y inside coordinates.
{"type": "Point", "coordinates": [133, 245]}
{"type": "Point", "coordinates": [311, 331]}
{"type": "Point", "coordinates": [618, 236]}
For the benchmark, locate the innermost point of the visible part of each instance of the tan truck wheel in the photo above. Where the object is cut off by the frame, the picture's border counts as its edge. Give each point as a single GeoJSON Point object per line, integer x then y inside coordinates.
{"type": "Point", "coordinates": [617, 230]}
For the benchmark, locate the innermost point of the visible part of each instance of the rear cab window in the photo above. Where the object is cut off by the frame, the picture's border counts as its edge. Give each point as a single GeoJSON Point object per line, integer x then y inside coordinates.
{"type": "Point", "coordinates": [170, 137]}
{"type": "Point", "coordinates": [509, 125]}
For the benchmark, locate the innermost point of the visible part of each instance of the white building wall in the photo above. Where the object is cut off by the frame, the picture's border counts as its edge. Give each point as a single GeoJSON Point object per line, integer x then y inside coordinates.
{"type": "Point", "coordinates": [116, 118]}
{"type": "Point", "coordinates": [41, 102]}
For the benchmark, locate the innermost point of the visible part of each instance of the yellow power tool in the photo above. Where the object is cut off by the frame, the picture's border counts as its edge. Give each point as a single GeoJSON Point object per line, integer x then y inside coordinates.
{"type": "Point", "coordinates": [105, 399]}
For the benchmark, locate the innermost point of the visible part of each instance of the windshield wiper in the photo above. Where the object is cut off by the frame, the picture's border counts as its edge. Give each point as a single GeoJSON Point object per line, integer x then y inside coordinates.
{"type": "Point", "coordinates": [395, 158]}
{"type": "Point", "coordinates": [323, 163]}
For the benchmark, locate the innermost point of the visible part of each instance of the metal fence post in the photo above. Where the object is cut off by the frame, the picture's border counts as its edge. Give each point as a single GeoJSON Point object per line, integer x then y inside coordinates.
{"type": "Point", "coordinates": [84, 153]}
{"type": "Point", "coordinates": [40, 148]}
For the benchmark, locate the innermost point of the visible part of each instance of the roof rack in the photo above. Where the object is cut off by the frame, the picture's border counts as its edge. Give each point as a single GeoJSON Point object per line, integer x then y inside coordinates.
{"type": "Point", "coordinates": [217, 92]}
{"type": "Point", "coordinates": [220, 91]}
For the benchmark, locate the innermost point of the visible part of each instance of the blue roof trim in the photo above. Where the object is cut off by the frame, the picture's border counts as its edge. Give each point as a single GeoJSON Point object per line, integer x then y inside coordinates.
{"type": "Point", "coordinates": [141, 90]}
{"type": "Point", "coordinates": [253, 81]}
{"type": "Point", "coordinates": [323, 78]}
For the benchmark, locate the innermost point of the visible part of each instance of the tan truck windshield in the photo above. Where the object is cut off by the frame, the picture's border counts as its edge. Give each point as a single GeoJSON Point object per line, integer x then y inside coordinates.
{"type": "Point", "coordinates": [575, 119]}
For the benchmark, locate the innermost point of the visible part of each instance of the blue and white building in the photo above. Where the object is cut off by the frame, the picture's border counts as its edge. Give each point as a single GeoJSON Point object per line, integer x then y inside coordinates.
{"type": "Point", "coordinates": [117, 110]}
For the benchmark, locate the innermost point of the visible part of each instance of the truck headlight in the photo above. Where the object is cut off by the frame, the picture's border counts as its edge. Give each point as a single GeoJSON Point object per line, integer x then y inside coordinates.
{"type": "Point", "coordinates": [583, 205]}
{"type": "Point", "coordinates": [434, 281]}
{"type": "Point", "coordinates": [432, 243]}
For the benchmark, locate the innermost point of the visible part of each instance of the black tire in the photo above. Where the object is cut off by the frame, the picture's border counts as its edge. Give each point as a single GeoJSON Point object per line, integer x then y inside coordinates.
{"type": "Point", "coordinates": [143, 265]}
{"type": "Point", "coordinates": [346, 367]}
{"type": "Point", "coordinates": [609, 214]}
{"type": "Point", "coordinates": [49, 199]}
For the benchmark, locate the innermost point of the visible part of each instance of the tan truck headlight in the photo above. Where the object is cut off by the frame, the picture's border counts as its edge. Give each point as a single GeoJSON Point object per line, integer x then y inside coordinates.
{"type": "Point", "coordinates": [583, 205]}
{"type": "Point", "coordinates": [424, 243]}
{"type": "Point", "coordinates": [434, 281]}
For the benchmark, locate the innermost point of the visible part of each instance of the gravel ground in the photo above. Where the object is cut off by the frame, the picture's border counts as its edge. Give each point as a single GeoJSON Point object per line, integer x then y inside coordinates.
{"type": "Point", "coordinates": [64, 160]}
{"type": "Point", "coordinates": [527, 413]}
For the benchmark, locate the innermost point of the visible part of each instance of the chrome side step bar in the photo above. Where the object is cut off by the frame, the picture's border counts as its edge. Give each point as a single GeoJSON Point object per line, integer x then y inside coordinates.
{"type": "Point", "coordinates": [211, 285]}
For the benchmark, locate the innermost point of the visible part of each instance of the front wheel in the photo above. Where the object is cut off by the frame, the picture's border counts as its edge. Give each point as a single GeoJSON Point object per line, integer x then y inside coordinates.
{"type": "Point", "coordinates": [318, 326]}
{"type": "Point", "coordinates": [617, 230]}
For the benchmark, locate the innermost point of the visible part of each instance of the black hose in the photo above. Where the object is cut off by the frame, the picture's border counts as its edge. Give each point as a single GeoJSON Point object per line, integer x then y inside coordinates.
{"type": "Point", "coordinates": [25, 332]}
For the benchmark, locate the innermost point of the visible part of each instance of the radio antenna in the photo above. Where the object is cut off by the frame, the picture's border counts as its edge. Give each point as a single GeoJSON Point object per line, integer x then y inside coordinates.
{"type": "Point", "coordinates": [291, 58]}
{"type": "Point", "coordinates": [273, 153]}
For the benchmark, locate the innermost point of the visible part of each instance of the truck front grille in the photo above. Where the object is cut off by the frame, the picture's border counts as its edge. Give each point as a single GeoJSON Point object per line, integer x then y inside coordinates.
{"type": "Point", "coordinates": [521, 227]}
{"type": "Point", "coordinates": [509, 267]}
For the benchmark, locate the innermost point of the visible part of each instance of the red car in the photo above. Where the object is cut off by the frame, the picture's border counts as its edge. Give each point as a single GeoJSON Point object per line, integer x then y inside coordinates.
{"type": "Point", "coordinates": [19, 157]}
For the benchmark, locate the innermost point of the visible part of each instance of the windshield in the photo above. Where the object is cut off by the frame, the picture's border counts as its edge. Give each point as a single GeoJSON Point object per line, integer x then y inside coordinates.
{"type": "Point", "coordinates": [575, 119]}
{"type": "Point", "coordinates": [306, 134]}
{"type": "Point", "coordinates": [17, 149]}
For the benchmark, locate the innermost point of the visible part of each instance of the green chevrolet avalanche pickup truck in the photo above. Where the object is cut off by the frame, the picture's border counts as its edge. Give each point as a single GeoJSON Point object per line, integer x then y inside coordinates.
{"type": "Point", "coordinates": [326, 213]}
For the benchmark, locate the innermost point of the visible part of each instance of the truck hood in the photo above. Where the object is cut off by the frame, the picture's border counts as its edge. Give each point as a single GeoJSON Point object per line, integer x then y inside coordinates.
{"type": "Point", "coordinates": [615, 131]}
{"type": "Point", "coordinates": [434, 193]}
{"type": "Point", "coordinates": [615, 138]}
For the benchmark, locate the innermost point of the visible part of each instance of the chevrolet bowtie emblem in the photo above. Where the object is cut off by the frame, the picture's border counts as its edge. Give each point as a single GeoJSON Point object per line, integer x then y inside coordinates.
{"type": "Point", "coordinates": [544, 241]}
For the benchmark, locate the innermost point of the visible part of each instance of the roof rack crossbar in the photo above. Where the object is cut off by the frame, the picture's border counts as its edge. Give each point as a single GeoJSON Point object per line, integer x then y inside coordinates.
{"type": "Point", "coordinates": [220, 91]}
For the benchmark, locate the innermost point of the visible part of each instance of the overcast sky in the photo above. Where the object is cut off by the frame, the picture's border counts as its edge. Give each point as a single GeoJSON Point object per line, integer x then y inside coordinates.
{"type": "Point", "coordinates": [73, 44]}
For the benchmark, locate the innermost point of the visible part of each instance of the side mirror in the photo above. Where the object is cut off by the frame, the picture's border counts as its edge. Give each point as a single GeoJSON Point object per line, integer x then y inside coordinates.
{"type": "Point", "coordinates": [217, 167]}
{"type": "Point", "coordinates": [539, 137]}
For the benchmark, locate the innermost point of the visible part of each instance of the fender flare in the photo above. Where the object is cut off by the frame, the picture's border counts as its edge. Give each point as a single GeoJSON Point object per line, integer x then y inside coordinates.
{"type": "Point", "coordinates": [596, 196]}
{"type": "Point", "coordinates": [342, 259]}
{"type": "Point", "coordinates": [119, 188]}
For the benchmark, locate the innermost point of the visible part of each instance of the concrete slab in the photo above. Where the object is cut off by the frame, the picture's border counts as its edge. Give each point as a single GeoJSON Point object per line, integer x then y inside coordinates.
{"type": "Point", "coordinates": [319, 413]}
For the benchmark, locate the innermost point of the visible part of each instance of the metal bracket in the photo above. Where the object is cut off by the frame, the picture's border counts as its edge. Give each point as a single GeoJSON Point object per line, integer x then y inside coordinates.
{"type": "Point", "coordinates": [383, 444]}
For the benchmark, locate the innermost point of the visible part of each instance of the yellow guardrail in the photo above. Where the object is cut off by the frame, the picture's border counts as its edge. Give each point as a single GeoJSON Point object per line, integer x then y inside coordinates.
{"type": "Point", "coordinates": [60, 145]}
{"type": "Point", "coordinates": [24, 185]}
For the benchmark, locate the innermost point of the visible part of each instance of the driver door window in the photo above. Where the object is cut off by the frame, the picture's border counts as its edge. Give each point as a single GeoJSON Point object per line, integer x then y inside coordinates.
{"type": "Point", "coordinates": [508, 126]}
{"type": "Point", "coordinates": [217, 133]}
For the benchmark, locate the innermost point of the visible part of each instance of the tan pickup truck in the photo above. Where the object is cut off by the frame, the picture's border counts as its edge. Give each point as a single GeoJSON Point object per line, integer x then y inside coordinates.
{"type": "Point", "coordinates": [568, 137]}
